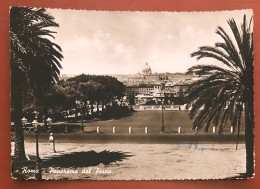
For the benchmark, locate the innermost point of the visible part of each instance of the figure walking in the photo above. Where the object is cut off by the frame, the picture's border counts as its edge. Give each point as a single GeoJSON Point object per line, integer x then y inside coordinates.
{"type": "Point", "coordinates": [52, 142]}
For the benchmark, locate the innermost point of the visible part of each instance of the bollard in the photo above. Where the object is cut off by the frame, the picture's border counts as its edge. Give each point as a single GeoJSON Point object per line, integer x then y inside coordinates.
{"type": "Point", "coordinates": [179, 129]}
{"type": "Point", "coordinates": [97, 129]}
{"type": "Point", "coordinates": [66, 130]}
{"type": "Point", "coordinates": [146, 130]}
{"type": "Point", "coordinates": [114, 130]}
{"type": "Point", "coordinates": [231, 129]}
{"type": "Point", "coordinates": [130, 129]}
{"type": "Point", "coordinates": [214, 129]}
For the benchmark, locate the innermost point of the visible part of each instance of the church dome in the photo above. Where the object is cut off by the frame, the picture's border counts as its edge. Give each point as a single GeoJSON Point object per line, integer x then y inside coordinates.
{"type": "Point", "coordinates": [147, 69]}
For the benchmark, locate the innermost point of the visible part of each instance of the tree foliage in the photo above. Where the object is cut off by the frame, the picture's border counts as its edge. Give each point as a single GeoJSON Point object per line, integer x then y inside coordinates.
{"type": "Point", "coordinates": [229, 87]}
{"type": "Point", "coordinates": [34, 58]}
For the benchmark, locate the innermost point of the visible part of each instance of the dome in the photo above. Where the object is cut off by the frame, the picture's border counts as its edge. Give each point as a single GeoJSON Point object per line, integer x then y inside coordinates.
{"type": "Point", "coordinates": [147, 69]}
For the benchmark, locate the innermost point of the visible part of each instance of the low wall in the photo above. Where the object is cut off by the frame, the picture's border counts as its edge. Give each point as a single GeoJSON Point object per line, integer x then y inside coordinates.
{"type": "Point", "coordinates": [158, 107]}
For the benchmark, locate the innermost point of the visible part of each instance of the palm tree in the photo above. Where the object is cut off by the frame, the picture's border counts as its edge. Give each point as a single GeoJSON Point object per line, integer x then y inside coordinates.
{"type": "Point", "coordinates": [35, 61]}
{"type": "Point", "coordinates": [228, 89]}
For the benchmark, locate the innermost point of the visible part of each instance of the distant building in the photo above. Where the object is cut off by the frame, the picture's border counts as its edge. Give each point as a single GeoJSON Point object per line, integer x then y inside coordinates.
{"type": "Point", "coordinates": [177, 86]}
{"type": "Point", "coordinates": [170, 92]}
{"type": "Point", "coordinates": [145, 89]}
{"type": "Point", "coordinates": [169, 85]}
{"type": "Point", "coordinates": [156, 84]}
{"type": "Point", "coordinates": [181, 87]}
{"type": "Point", "coordinates": [131, 89]}
{"type": "Point", "coordinates": [147, 70]}
{"type": "Point", "coordinates": [132, 79]}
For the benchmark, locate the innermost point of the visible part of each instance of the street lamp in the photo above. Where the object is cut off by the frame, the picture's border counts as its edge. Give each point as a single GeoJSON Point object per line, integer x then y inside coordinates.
{"type": "Point", "coordinates": [80, 104]}
{"type": "Point", "coordinates": [163, 128]}
{"type": "Point", "coordinates": [38, 173]}
{"type": "Point", "coordinates": [24, 121]}
{"type": "Point", "coordinates": [49, 121]}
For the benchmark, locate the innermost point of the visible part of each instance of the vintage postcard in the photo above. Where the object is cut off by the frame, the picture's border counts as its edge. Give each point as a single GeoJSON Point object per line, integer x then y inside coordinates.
{"type": "Point", "coordinates": [125, 95]}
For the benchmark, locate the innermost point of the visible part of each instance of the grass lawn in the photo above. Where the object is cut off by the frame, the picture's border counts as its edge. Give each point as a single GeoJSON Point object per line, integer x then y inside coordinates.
{"type": "Point", "coordinates": [153, 120]}
{"type": "Point", "coordinates": [138, 121]}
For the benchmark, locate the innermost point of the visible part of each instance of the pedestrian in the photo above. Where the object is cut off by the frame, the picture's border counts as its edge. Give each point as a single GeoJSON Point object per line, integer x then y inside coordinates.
{"type": "Point", "coordinates": [52, 142]}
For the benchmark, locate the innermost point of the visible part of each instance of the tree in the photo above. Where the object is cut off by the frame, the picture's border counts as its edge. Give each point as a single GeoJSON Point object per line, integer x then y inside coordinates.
{"type": "Point", "coordinates": [52, 101]}
{"type": "Point", "coordinates": [180, 98]}
{"type": "Point", "coordinates": [101, 88]}
{"type": "Point", "coordinates": [35, 61]}
{"type": "Point", "coordinates": [90, 90]}
{"type": "Point", "coordinates": [132, 100]}
{"type": "Point", "coordinates": [70, 89]}
{"type": "Point", "coordinates": [165, 99]}
{"type": "Point", "coordinates": [228, 88]}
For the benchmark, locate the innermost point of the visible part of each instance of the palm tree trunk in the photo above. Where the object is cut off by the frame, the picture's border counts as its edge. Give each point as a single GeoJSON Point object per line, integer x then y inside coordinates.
{"type": "Point", "coordinates": [249, 140]}
{"type": "Point", "coordinates": [45, 113]}
{"type": "Point", "coordinates": [81, 115]}
{"type": "Point", "coordinates": [19, 152]}
{"type": "Point", "coordinates": [98, 107]}
{"type": "Point", "coordinates": [91, 107]}
{"type": "Point", "coordinates": [76, 114]}
{"type": "Point", "coordinates": [102, 102]}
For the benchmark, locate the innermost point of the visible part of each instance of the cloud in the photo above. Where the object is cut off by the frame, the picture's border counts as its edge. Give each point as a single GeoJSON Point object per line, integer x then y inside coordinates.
{"type": "Point", "coordinates": [103, 42]}
{"type": "Point", "coordinates": [169, 36]}
{"type": "Point", "coordinates": [119, 48]}
{"type": "Point", "coordinates": [98, 54]}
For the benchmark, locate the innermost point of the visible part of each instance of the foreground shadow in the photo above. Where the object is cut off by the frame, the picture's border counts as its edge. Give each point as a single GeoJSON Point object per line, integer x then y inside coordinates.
{"type": "Point", "coordinates": [75, 159]}
{"type": "Point", "coordinates": [84, 159]}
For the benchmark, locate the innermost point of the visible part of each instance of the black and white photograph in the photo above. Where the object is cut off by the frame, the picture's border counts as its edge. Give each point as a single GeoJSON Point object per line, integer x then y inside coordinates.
{"type": "Point", "coordinates": [131, 95]}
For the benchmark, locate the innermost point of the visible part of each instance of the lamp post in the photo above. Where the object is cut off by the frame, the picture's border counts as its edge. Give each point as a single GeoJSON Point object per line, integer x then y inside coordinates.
{"type": "Point", "coordinates": [24, 121]}
{"type": "Point", "coordinates": [80, 104]}
{"type": "Point", "coordinates": [163, 128]}
{"type": "Point", "coordinates": [49, 121]}
{"type": "Point", "coordinates": [38, 172]}
{"type": "Point", "coordinates": [87, 107]}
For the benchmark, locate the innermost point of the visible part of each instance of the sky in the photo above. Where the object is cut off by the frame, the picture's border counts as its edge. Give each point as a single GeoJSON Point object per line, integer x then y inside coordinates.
{"type": "Point", "coordinates": [121, 42]}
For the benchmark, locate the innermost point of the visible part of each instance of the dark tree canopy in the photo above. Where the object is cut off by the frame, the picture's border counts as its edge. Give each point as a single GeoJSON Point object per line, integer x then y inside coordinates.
{"type": "Point", "coordinates": [35, 59]}
{"type": "Point", "coordinates": [109, 86]}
